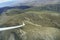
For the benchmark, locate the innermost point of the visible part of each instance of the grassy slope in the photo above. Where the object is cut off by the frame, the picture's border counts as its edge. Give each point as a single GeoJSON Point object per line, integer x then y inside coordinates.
{"type": "Point", "coordinates": [44, 18]}
{"type": "Point", "coordinates": [36, 21]}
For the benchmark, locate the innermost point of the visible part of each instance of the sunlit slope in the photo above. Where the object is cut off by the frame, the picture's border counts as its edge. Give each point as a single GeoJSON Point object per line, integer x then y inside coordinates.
{"type": "Point", "coordinates": [43, 18]}
{"type": "Point", "coordinates": [39, 24]}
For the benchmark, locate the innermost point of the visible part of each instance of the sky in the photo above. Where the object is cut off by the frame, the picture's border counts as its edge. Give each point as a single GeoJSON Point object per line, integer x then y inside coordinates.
{"type": "Point", "coordinates": [4, 3]}
{"type": "Point", "coordinates": [1, 1]}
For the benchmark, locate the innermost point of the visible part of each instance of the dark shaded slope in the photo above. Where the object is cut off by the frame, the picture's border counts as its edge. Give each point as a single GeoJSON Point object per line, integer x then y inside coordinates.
{"type": "Point", "coordinates": [15, 7]}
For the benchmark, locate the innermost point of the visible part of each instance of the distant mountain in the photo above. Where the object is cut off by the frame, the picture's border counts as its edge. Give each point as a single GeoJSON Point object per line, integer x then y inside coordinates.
{"type": "Point", "coordinates": [49, 7]}
{"type": "Point", "coordinates": [53, 5]}
{"type": "Point", "coordinates": [41, 2]}
{"type": "Point", "coordinates": [15, 7]}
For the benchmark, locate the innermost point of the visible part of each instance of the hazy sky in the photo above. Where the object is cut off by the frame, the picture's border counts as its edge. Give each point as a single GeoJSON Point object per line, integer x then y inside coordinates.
{"type": "Point", "coordinates": [4, 3]}
{"type": "Point", "coordinates": [1, 1]}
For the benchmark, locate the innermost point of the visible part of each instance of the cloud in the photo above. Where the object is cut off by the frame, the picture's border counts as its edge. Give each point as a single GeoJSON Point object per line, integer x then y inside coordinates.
{"type": "Point", "coordinates": [21, 0]}
{"type": "Point", "coordinates": [1, 1]}
{"type": "Point", "coordinates": [4, 3]}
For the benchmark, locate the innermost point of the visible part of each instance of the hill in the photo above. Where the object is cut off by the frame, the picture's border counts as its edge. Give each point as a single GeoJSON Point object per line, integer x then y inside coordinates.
{"type": "Point", "coordinates": [45, 18]}
{"type": "Point", "coordinates": [40, 25]}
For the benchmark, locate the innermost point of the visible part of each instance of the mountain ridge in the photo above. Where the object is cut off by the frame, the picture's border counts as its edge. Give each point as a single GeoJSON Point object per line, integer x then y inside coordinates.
{"type": "Point", "coordinates": [15, 7]}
